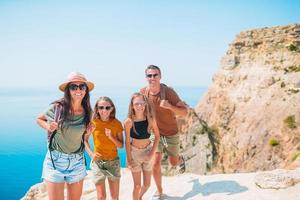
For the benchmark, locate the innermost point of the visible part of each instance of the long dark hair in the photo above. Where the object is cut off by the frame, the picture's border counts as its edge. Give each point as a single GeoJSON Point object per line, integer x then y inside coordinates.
{"type": "Point", "coordinates": [65, 102]}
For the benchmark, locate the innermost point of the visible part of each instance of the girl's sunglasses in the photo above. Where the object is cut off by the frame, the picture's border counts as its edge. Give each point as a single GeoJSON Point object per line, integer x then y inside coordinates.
{"type": "Point", "coordinates": [104, 107]}
{"type": "Point", "coordinates": [139, 103]}
{"type": "Point", "coordinates": [74, 87]}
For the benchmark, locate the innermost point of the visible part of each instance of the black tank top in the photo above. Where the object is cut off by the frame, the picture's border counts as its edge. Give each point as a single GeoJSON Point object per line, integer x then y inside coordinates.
{"type": "Point", "coordinates": [141, 128]}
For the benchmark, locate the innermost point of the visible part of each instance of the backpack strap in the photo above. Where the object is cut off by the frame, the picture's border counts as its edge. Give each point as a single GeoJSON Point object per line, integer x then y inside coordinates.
{"type": "Point", "coordinates": [82, 147]}
{"type": "Point", "coordinates": [162, 91]}
{"type": "Point", "coordinates": [57, 116]}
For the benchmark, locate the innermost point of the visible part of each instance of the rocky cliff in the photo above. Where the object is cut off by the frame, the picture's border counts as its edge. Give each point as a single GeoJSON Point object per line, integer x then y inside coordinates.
{"type": "Point", "coordinates": [252, 106]}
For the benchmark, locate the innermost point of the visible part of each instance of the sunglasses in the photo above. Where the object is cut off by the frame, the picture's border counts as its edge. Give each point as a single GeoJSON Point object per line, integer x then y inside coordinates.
{"type": "Point", "coordinates": [74, 87]}
{"type": "Point", "coordinates": [104, 107]}
{"type": "Point", "coordinates": [152, 75]}
{"type": "Point", "coordinates": [141, 103]}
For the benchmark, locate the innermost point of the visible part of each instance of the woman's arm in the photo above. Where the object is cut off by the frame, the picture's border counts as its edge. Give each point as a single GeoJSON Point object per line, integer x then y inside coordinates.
{"type": "Point", "coordinates": [42, 122]}
{"type": "Point", "coordinates": [127, 127]}
{"type": "Point", "coordinates": [89, 130]}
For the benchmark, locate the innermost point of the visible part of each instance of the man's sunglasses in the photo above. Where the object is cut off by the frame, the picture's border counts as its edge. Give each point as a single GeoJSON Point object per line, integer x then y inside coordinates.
{"type": "Point", "coordinates": [104, 107]}
{"type": "Point", "coordinates": [74, 87]}
{"type": "Point", "coordinates": [152, 75]}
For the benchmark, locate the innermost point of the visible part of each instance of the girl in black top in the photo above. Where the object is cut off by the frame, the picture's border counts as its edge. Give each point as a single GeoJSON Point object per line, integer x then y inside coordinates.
{"type": "Point", "coordinates": [139, 125]}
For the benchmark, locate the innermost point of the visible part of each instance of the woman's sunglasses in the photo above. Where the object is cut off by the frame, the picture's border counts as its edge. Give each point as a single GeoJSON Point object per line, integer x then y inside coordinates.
{"type": "Point", "coordinates": [104, 107]}
{"type": "Point", "coordinates": [74, 87]}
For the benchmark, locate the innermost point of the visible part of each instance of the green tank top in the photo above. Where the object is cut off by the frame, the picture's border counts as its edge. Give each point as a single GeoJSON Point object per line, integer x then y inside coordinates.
{"type": "Point", "coordinates": [67, 138]}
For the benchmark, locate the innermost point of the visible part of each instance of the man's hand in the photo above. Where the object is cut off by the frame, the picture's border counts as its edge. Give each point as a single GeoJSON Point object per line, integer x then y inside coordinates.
{"type": "Point", "coordinates": [165, 104]}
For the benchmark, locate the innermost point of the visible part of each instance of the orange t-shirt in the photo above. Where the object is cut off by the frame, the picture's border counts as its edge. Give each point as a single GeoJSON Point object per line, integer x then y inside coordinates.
{"type": "Point", "coordinates": [102, 144]}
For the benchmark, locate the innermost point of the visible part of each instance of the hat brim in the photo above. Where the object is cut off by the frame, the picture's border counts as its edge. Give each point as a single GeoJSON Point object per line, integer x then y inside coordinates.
{"type": "Point", "coordinates": [89, 84]}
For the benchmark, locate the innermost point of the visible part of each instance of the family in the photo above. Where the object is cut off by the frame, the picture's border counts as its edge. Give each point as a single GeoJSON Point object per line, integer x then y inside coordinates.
{"type": "Point", "coordinates": [150, 129]}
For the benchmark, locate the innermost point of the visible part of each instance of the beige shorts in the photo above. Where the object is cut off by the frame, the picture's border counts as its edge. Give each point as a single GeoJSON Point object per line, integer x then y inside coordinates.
{"type": "Point", "coordinates": [138, 155]}
{"type": "Point", "coordinates": [105, 168]}
{"type": "Point", "coordinates": [169, 144]}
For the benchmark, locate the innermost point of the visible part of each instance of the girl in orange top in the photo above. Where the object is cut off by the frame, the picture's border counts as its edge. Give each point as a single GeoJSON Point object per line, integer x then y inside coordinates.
{"type": "Point", "coordinates": [140, 151]}
{"type": "Point", "coordinates": [107, 136]}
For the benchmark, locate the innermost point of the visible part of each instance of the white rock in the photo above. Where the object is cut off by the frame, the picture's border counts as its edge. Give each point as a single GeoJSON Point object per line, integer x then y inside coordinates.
{"type": "Point", "coordinates": [277, 179]}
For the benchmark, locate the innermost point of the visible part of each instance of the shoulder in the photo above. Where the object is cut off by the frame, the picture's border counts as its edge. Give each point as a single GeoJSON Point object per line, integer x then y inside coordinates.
{"type": "Point", "coordinates": [117, 122]}
{"type": "Point", "coordinates": [50, 109]}
{"type": "Point", "coordinates": [94, 121]}
{"type": "Point", "coordinates": [170, 92]}
{"type": "Point", "coordinates": [169, 89]}
{"type": "Point", "coordinates": [143, 90]}
{"type": "Point", "coordinates": [128, 122]}
{"type": "Point", "coordinates": [151, 120]}
{"type": "Point", "coordinates": [171, 95]}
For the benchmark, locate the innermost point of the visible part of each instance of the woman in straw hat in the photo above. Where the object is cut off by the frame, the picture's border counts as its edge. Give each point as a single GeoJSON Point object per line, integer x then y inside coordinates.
{"type": "Point", "coordinates": [66, 122]}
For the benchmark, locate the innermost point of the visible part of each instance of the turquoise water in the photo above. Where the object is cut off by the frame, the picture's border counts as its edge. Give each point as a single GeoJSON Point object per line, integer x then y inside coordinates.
{"type": "Point", "coordinates": [23, 143]}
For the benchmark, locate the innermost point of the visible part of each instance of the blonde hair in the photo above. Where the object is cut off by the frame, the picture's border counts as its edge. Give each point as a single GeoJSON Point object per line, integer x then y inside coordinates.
{"type": "Point", "coordinates": [112, 114]}
{"type": "Point", "coordinates": [148, 112]}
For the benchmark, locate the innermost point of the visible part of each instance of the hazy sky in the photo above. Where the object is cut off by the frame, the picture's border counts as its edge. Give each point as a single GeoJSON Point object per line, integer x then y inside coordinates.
{"type": "Point", "coordinates": [112, 42]}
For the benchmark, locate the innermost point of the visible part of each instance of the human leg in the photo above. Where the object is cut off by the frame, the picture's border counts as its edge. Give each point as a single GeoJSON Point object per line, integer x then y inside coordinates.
{"type": "Point", "coordinates": [136, 185]}
{"type": "Point", "coordinates": [55, 190]}
{"type": "Point", "coordinates": [146, 183]}
{"type": "Point", "coordinates": [74, 190]}
{"type": "Point", "coordinates": [114, 186]}
{"type": "Point", "coordinates": [101, 192]}
{"type": "Point", "coordinates": [157, 173]}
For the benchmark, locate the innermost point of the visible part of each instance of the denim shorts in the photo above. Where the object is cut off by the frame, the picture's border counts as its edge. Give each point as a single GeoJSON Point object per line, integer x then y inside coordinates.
{"type": "Point", "coordinates": [70, 168]}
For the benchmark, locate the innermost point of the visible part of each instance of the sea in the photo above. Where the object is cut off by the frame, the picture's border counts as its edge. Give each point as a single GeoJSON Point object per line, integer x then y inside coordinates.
{"type": "Point", "coordinates": [23, 144]}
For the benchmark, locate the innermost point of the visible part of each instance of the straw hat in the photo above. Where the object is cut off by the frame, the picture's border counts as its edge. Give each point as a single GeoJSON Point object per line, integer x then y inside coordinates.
{"type": "Point", "coordinates": [76, 76]}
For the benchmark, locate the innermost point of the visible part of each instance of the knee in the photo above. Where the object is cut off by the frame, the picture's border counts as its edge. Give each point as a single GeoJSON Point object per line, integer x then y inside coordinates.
{"type": "Point", "coordinates": [174, 161]}
{"type": "Point", "coordinates": [137, 187]}
{"type": "Point", "coordinates": [156, 167]}
{"type": "Point", "coordinates": [157, 162]}
{"type": "Point", "coordinates": [146, 186]}
{"type": "Point", "coordinates": [114, 197]}
{"type": "Point", "coordinates": [101, 197]}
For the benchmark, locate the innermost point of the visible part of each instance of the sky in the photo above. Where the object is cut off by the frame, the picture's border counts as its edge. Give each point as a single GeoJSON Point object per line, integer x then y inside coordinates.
{"type": "Point", "coordinates": [112, 42]}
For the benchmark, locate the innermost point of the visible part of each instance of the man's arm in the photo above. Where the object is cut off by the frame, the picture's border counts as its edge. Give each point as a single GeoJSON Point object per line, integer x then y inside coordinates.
{"type": "Point", "coordinates": [179, 109]}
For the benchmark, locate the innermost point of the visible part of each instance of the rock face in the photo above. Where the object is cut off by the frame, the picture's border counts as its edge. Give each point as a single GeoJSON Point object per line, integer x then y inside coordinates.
{"type": "Point", "coordinates": [197, 145]}
{"type": "Point", "coordinates": [253, 103]}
